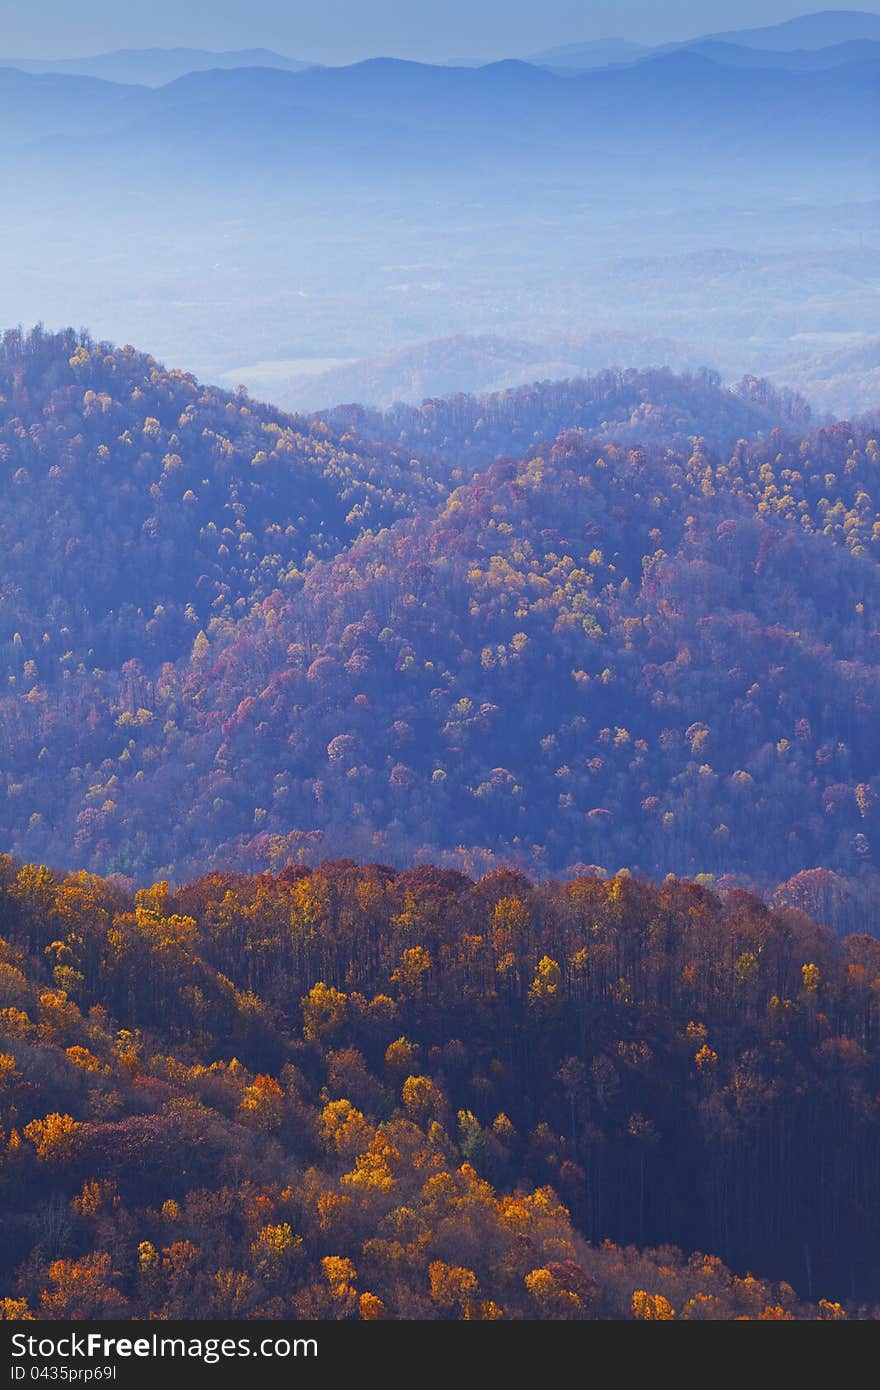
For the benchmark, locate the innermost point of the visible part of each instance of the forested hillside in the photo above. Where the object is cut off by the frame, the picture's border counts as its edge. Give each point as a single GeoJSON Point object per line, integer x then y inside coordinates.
{"type": "Point", "coordinates": [136, 502]}
{"type": "Point", "coordinates": [601, 655]}
{"type": "Point", "coordinates": [651, 406]}
{"type": "Point", "coordinates": [360, 1093]}
{"type": "Point", "coordinates": [624, 622]}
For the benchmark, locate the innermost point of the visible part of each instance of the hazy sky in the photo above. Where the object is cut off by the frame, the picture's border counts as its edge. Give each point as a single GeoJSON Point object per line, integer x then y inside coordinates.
{"type": "Point", "coordinates": [339, 31]}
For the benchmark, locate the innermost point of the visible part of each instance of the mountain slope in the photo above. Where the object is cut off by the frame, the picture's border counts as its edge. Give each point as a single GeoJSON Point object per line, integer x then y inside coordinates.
{"type": "Point", "coordinates": [35, 105]}
{"type": "Point", "coordinates": [262, 638]}
{"type": "Point", "coordinates": [356, 1093]}
{"type": "Point", "coordinates": [602, 656]}
{"type": "Point", "coordinates": [649, 406]}
{"type": "Point", "coordinates": [137, 496]}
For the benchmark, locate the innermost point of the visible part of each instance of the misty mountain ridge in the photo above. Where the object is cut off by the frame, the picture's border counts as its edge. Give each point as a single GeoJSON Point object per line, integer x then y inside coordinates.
{"type": "Point", "coordinates": [728, 54]}
{"type": "Point", "coordinates": [154, 67]}
{"type": "Point", "coordinates": [808, 33]}
{"type": "Point", "coordinates": [843, 380]}
{"type": "Point", "coordinates": [790, 41]}
{"type": "Point", "coordinates": [818, 30]}
{"type": "Point", "coordinates": [464, 364]}
{"type": "Point", "coordinates": [681, 100]}
{"type": "Point", "coordinates": [403, 204]}
{"type": "Point", "coordinates": [595, 53]}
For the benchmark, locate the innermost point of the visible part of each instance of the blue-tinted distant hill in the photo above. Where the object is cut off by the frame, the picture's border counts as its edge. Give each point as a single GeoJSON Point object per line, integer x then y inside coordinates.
{"type": "Point", "coordinates": [38, 106]}
{"type": "Point", "coordinates": [680, 112]}
{"type": "Point", "coordinates": [829, 29]}
{"type": "Point", "coordinates": [598, 53]}
{"type": "Point", "coordinates": [737, 55]}
{"type": "Point", "coordinates": [847, 379]}
{"type": "Point", "coordinates": [818, 30]}
{"type": "Point", "coordinates": [469, 363]}
{"type": "Point", "coordinates": [153, 67]}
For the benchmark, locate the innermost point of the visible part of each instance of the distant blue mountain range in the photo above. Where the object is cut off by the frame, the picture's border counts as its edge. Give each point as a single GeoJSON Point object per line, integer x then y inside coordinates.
{"type": "Point", "coordinates": [828, 29]}
{"type": "Point", "coordinates": [683, 106]}
{"type": "Point", "coordinates": [824, 39]}
{"type": "Point", "coordinates": [153, 67]}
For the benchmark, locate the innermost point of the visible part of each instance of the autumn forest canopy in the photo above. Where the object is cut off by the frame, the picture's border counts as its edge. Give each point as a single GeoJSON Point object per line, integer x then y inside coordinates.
{"type": "Point", "coordinates": [358, 1093]}
{"type": "Point", "coordinates": [462, 841]}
